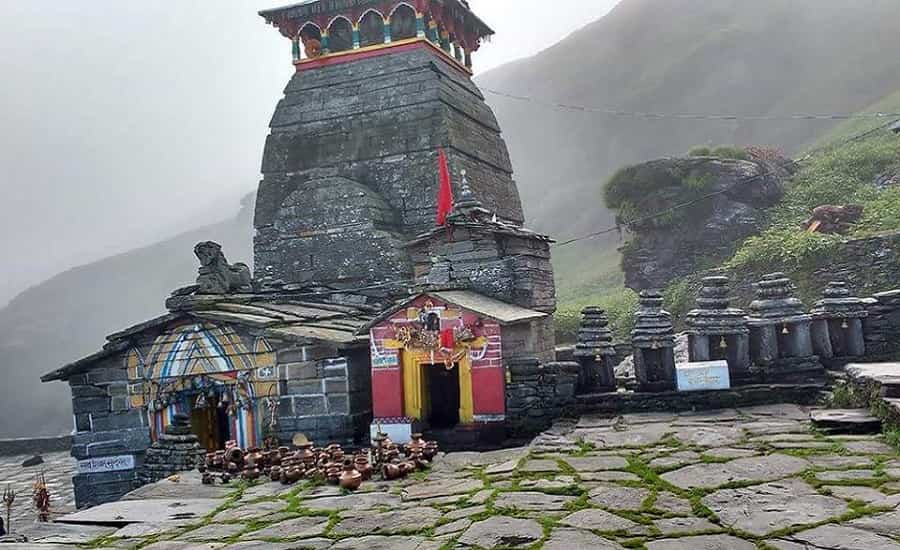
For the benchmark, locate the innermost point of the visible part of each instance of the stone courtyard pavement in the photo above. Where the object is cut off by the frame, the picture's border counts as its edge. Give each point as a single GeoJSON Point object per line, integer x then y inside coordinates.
{"type": "Point", "coordinates": [58, 469]}
{"type": "Point", "coordinates": [757, 478]}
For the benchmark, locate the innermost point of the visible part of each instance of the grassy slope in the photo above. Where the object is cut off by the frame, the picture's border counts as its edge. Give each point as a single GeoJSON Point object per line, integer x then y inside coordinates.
{"type": "Point", "coordinates": [838, 173]}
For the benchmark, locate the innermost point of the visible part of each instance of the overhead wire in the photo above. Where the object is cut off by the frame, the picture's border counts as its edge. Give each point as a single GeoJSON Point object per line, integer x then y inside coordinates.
{"type": "Point", "coordinates": [687, 116]}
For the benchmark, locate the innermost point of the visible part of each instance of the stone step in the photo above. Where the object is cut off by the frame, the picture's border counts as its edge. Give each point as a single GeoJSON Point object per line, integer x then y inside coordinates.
{"type": "Point", "coordinates": [846, 421]}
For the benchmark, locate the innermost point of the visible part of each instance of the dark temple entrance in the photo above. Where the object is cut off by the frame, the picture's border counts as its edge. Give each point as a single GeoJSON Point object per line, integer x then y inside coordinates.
{"type": "Point", "coordinates": [211, 425]}
{"type": "Point", "coordinates": [443, 396]}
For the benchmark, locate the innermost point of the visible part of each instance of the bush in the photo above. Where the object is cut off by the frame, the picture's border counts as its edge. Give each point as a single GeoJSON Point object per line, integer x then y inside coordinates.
{"type": "Point", "coordinates": [620, 306]}
{"type": "Point", "coordinates": [679, 299]}
{"type": "Point", "coordinates": [784, 249]}
{"type": "Point", "coordinates": [700, 151]}
{"type": "Point", "coordinates": [729, 152]}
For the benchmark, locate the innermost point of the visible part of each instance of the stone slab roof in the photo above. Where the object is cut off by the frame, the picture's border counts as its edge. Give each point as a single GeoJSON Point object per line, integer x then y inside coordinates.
{"type": "Point", "coordinates": [502, 312]}
{"type": "Point", "coordinates": [298, 321]}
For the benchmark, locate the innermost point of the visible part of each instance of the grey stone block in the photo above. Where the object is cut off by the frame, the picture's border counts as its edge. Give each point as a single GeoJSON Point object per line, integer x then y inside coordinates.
{"type": "Point", "coordinates": [90, 405]}
{"type": "Point", "coordinates": [309, 406]}
{"type": "Point", "coordinates": [339, 404]}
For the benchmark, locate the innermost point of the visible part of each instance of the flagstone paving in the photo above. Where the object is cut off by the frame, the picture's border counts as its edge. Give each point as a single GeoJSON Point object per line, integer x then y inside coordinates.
{"type": "Point", "coordinates": [752, 479]}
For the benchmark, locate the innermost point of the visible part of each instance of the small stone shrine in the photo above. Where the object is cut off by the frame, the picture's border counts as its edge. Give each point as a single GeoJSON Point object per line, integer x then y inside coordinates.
{"type": "Point", "coordinates": [176, 450]}
{"type": "Point", "coordinates": [780, 333]}
{"type": "Point", "coordinates": [717, 332]}
{"type": "Point", "coordinates": [653, 339]}
{"type": "Point", "coordinates": [837, 330]}
{"type": "Point", "coordinates": [595, 352]}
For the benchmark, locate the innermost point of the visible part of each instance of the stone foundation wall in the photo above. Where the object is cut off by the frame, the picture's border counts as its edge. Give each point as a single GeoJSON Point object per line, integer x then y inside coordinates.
{"type": "Point", "coordinates": [538, 395]}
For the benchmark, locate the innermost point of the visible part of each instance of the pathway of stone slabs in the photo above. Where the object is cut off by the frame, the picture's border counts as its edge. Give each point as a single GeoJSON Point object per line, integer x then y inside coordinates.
{"type": "Point", "coordinates": [757, 478]}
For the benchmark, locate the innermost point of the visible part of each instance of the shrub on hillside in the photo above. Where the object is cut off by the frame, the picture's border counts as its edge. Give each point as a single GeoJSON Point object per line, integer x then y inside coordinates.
{"type": "Point", "coordinates": [620, 306]}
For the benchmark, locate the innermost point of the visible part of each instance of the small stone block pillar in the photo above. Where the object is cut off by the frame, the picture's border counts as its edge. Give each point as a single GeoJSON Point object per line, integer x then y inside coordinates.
{"type": "Point", "coordinates": [837, 330]}
{"type": "Point", "coordinates": [595, 352]}
{"type": "Point", "coordinates": [717, 332]}
{"type": "Point", "coordinates": [781, 345]}
{"type": "Point", "coordinates": [177, 450]}
{"type": "Point", "coordinates": [653, 339]}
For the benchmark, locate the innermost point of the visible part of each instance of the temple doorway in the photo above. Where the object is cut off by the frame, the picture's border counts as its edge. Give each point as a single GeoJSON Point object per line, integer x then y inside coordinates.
{"type": "Point", "coordinates": [443, 395]}
{"type": "Point", "coordinates": [211, 425]}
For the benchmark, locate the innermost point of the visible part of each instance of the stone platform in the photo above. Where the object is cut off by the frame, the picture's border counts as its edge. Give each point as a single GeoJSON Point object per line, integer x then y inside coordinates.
{"type": "Point", "coordinates": [731, 479]}
{"type": "Point", "coordinates": [58, 469]}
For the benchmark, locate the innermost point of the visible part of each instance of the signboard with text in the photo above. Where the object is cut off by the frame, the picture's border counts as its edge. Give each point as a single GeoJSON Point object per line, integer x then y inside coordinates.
{"type": "Point", "coordinates": [106, 464]}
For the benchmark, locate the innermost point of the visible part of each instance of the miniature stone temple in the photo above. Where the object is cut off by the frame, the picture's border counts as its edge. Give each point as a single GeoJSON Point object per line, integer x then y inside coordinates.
{"type": "Point", "coordinates": [595, 352]}
{"type": "Point", "coordinates": [653, 339]}
{"type": "Point", "coordinates": [781, 333]}
{"type": "Point", "coordinates": [176, 450]}
{"type": "Point", "coordinates": [837, 331]}
{"type": "Point", "coordinates": [718, 332]}
{"type": "Point", "coordinates": [438, 361]}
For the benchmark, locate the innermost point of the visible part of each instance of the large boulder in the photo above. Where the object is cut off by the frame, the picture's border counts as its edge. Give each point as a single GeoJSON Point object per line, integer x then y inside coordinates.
{"type": "Point", "coordinates": [683, 213]}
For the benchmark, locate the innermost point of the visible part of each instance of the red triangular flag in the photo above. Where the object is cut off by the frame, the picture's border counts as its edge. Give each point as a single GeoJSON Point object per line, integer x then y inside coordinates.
{"type": "Point", "coordinates": [445, 192]}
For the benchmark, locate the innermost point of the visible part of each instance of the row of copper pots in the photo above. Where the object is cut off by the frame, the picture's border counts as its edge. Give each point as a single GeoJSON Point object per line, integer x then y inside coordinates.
{"type": "Point", "coordinates": [331, 463]}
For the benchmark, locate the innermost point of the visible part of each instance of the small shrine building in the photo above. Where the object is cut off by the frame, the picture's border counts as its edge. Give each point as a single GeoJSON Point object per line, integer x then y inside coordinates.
{"type": "Point", "coordinates": [438, 361]}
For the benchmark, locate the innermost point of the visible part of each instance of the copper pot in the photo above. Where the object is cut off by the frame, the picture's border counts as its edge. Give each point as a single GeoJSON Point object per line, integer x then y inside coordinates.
{"type": "Point", "coordinates": [294, 475]}
{"type": "Point", "coordinates": [391, 472]}
{"type": "Point", "coordinates": [364, 468]}
{"type": "Point", "coordinates": [275, 473]}
{"type": "Point", "coordinates": [234, 455]}
{"type": "Point", "coordinates": [350, 479]}
{"type": "Point", "coordinates": [251, 474]}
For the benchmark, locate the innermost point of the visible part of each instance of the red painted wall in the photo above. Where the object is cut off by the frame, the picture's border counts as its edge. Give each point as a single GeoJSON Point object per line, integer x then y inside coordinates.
{"type": "Point", "coordinates": [488, 375]}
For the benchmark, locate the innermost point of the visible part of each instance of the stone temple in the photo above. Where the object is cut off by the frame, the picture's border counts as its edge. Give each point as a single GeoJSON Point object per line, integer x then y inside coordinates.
{"type": "Point", "coordinates": [362, 312]}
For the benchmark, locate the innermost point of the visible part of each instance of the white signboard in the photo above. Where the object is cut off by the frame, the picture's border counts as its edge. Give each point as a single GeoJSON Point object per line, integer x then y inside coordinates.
{"type": "Point", "coordinates": [106, 464]}
{"type": "Point", "coordinates": [708, 375]}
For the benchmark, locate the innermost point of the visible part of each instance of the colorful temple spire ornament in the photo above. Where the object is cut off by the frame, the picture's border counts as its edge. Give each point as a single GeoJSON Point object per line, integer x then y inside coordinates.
{"type": "Point", "coordinates": [366, 26]}
{"type": "Point", "coordinates": [9, 499]}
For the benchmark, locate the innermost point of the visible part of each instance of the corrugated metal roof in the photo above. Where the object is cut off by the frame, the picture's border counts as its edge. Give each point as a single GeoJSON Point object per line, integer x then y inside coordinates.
{"type": "Point", "coordinates": [495, 309]}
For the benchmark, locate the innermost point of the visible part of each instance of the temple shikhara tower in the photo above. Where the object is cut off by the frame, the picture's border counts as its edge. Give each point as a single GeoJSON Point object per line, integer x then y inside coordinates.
{"type": "Point", "coordinates": [349, 167]}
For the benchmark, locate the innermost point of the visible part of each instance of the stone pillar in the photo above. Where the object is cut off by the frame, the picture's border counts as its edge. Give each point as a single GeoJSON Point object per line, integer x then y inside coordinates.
{"type": "Point", "coordinates": [821, 339]}
{"type": "Point", "coordinates": [432, 32]}
{"type": "Point", "coordinates": [855, 340]}
{"type": "Point", "coordinates": [457, 52]}
{"type": "Point", "coordinates": [699, 347]}
{"type": "Point", "coordinates": [445, 41]}
{"type": "Point", "coordinates": [800, 340]}
{"type": "Point", "coordinates": [764, 344]}
{"type": "Point", "coordinates": [387, 30]}
{"type": "Point", "coordinates": [468, 59]}
{"type": "Point", "coordinates": [356, 38]}
{"type": "Point", "coordinates": [295, 49]}
{"type": "Point", "coordinates": [325, 49]}
{"type": "Point", "coordinates": [739, 358]}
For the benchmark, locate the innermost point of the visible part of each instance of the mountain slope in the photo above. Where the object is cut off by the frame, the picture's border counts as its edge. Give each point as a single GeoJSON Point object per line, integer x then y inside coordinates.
{"type": "Point", "coordinates": [68, 317]}
{"type": "Point", "coordinates": [766, 57]}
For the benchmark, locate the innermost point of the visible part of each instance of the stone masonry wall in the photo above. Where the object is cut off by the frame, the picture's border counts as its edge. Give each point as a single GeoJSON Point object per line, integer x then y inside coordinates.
{"type": "Point", "coordinates": [324, 395]}
{"type": "Point", "coordinates": [106, 428]}
{"type": "Point", "coordinates": [538, 395]}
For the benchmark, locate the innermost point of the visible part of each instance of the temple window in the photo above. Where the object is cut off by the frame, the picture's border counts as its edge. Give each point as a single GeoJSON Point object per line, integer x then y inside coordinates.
{"type": "Point", "coordinates": [340, 35]}
{"type": "Point", "coordinates": [403, 23]}
{"type": "Point", "coordinates": [371, 29]}
{"type": "Point", "coordinates": [311, 38]}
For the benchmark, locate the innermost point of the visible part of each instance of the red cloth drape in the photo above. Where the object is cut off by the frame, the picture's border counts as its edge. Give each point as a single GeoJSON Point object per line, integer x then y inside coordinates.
{"type": "Point", "coordinates": [448, 340]}
{"type": "Point", "coordinates": [445, 192]}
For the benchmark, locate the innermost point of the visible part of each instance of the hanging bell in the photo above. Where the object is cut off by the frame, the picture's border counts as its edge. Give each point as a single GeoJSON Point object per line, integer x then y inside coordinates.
{"type": "Point", "coordinates": [723, 344]}
{"type": "Point", "coordinates": [844, 325]}
{"type": "Point", "coordinates": [508, 376]}
{"type": "Point", "coordinates": [655, 345]}
{"type": "Point", "coordinates": [201, 402]}
{"type": "Point", "coordinates": [785, 330]}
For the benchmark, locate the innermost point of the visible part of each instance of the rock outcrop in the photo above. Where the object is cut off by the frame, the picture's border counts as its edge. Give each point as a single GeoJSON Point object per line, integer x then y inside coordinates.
{"type": "Point", "coordinates": [726, 201]}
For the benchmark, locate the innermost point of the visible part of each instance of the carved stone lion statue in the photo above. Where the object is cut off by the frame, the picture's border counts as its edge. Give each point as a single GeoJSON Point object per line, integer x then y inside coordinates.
{"type": "Point", "coordinates": [216, 275]}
